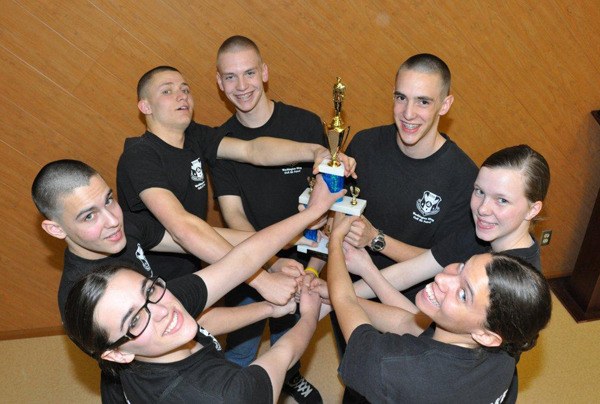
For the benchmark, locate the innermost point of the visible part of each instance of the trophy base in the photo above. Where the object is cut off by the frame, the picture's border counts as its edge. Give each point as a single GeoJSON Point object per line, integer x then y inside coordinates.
{"type": "Point", "coordinates": [320, 249]}
{"type": "Point", "coordinates": [344, 206]}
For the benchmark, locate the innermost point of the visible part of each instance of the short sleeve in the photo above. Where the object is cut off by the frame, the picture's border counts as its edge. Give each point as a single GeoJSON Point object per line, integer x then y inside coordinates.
{"type": "Point", "coordinates": [204, 140]}
{"type": "Point", "coordinates": [111, 390]}
{"type": "Point", "coordinates": [146, 230]}
{"type": "Point", "coordinates": [360, 366]}
{"type": "Point", "coordinates": [191, 292]}
{"type": "Point", "coordinates": [250, 385]}
{"type": "Point", "coordinates": [225, 180]}
{"type": "Point", "coordinates": [139, 168]}
{"type": "Point", "coordinates": [458, 218]}
{"type": "Point", "coordinates": [458, 247]}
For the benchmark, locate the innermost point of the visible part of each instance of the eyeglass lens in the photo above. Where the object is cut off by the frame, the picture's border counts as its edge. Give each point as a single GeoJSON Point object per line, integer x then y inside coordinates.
{"type": "Point", "coordinates": [141, 319]}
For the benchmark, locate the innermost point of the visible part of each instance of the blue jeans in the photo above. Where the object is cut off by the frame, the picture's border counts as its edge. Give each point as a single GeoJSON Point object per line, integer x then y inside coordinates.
{"type": "Point", "coordinates": [242, 345]}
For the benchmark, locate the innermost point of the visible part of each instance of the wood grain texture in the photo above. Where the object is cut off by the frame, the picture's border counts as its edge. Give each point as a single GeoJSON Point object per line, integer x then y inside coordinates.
{"type": "Point", "coordinates": [523, 72]}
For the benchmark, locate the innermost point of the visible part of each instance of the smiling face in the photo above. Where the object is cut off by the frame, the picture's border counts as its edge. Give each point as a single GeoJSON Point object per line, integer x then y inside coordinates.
{"type": "Point", "coordinates": [170, 328]}
{"type": "Point", "coordinates": [458, 298]}
{"type": "Point", "coordinates": [500, 209]}
{"type": "Point", "coordinates": [167, 102]}
{"type": "Point", "coordinates": [91, 221]}
{"type": "Point", "coordinates": [240, 75]}
{"type": "Point", "coordinates": [419, 101]}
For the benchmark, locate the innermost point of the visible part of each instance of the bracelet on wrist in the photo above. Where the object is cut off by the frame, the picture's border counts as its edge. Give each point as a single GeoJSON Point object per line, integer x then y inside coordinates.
{"type": "Point", "coordinates": [312, 271]}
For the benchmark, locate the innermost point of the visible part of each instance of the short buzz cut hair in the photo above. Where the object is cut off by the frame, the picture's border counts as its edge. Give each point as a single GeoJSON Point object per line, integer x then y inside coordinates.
{"type": "Point", "coordinates": [235, 43]}
{"type": "Point", "coordinates": [57, 179]}
{"type": "Point", "coordinates": [145, 79]}
{"type": "Point", "coordinates": [428, 63]}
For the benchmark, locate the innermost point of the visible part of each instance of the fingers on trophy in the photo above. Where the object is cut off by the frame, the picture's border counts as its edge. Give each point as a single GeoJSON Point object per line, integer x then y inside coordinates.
{"type": "Point", "coordinates": [332, 169]}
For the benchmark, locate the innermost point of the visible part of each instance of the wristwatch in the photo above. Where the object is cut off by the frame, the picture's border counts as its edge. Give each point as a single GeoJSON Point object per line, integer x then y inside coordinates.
{"type": "Point", "coordinates": [378, 243]}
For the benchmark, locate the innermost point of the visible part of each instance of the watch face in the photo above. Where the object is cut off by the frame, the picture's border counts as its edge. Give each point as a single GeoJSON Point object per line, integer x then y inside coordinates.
{"type": "Point", "coordinates": [378, 243]}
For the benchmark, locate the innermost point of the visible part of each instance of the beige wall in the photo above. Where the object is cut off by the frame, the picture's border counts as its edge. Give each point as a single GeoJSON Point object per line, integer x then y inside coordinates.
{"type": "Point", "coordinates": [523, 72]}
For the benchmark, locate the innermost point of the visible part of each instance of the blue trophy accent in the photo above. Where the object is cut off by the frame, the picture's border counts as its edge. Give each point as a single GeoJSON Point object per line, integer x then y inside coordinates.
{"type": "Point", "coordinates": [335, 183]}
{"type": "Point", "coordinates": [311, 235]}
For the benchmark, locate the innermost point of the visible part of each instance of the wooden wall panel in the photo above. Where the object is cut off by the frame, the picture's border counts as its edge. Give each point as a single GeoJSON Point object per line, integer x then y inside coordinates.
{"type": "Point", "coordinates": [41, 47]}
{"type": "Point", "coordinates": [523, 72]}
{"type": "Point", "coordinates": [80, 23]}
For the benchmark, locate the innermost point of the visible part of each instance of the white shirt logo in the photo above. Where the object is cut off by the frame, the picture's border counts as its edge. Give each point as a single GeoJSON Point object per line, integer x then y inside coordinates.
{"type": "Point", "coordinates": [208, 334]}
{"type": "Point", "coordinates": [429, 204]}
{"type": "Point", "coordinates": [139, 254]}
{"type": "Point", "coordinates": [197, 174]}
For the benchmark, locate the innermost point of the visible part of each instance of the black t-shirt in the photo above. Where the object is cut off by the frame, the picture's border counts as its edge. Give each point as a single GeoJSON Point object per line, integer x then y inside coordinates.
{"type": "Point", "coordinates": [391, 368]}
{"type": "Point", "coordinates": [269, 194]}
{"type": "Point", "coordinates": [416, 201]}
{"type": "Point", "coordinates": [149, 162]}
{"type": "Point", "coordinates": [459, 247]}
{"type": "Point", "coordinates": [203, 377]}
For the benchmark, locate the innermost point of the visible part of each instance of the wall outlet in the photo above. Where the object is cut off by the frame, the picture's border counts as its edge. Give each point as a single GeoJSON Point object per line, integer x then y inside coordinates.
{"type": "Point", "coordinates": [546, 236]}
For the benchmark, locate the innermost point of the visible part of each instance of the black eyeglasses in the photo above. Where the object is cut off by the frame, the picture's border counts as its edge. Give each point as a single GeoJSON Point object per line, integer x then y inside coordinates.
{"type": "Point", "coordinates": [140, 320]}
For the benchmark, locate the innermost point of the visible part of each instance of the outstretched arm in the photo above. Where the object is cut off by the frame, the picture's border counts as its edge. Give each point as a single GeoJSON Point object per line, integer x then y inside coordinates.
{"type": "Point", "coordinates": [188, 233]}
{"type": "Point", "coordinates": [341, 291]}
{"type": "Point", "coordinates": [273, 287]}
{"type": "Point", "coordinates": [233, 237]}
{"type": "Point", "coordinates": [362, 232]}
{"type": "Point", "coordinates": [247, 258]}
{"type": "Point", "coordinates": [403, 275]}
{"type": "Point", "coordinates": [359, 263]}
{"type": "Point", "coordinates": [394, 319]}
{"type": "Point", "coordinates": [270, 151]}
{"type": "Point", "coordinates": [233, 212]}
{"type": "Point", "coordinates": [221, 320]}
{"type": "Point", "coordinates": [289, 348]}
{"type": "Point", "coordinates": [352, 311]}
{"type": "Point", "coordinates": [188, 230]}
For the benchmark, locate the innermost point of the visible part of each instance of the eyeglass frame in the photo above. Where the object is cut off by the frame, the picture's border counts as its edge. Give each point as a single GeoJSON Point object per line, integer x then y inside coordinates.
{"type": "Point", "coordinates": [128, 335]}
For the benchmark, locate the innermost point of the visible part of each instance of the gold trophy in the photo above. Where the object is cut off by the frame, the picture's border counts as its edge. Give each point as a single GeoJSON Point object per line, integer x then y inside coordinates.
{"type": "Point", "coordinates": [332, 169]}
{"type": "Point", "coordinates": [336, 133]}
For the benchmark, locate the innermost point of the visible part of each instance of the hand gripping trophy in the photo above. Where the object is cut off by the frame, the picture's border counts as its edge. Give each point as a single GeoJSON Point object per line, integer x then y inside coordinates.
{"type": "Point", "coordinates": [333, 170]}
